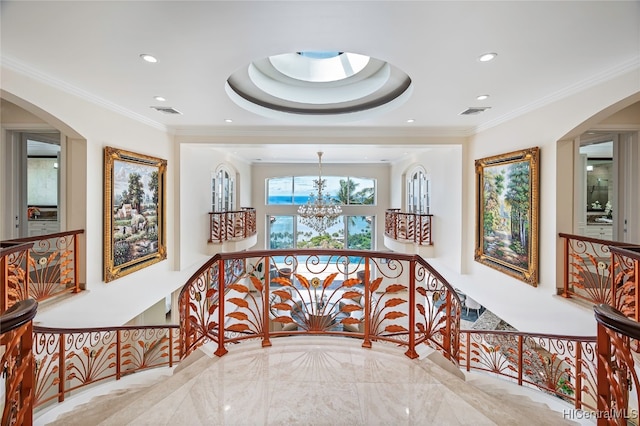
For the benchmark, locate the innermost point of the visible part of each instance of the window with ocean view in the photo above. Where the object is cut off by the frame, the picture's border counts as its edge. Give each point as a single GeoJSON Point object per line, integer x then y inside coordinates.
{"type": "Point", "coordinates": [358, 230]}
{"type": "Point", "coordinates": [295, 190]}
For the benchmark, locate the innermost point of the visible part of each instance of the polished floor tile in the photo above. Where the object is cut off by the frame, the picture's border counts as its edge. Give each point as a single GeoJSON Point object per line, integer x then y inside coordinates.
{"type": "Point", "coordinates": [312, 381]}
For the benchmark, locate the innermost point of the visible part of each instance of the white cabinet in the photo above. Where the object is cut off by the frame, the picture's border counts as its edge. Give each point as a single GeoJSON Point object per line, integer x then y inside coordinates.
{"type": "Point", "coordinates": [42, 227]}
{"type": "Point", "coordinates": [599, 232]}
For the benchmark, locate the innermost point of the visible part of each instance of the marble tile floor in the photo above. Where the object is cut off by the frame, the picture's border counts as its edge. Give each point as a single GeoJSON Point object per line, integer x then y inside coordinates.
{"type": "Point", "coordinates": [308, 380]}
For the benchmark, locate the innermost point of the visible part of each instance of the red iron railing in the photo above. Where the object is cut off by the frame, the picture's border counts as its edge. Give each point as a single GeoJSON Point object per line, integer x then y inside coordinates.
{"type": "Point", "coordinates": [625, 261]}
{"type": "Point", "coordinates": [15, 280]}
{"type": "Point", "coordinates": [16, 363]}
{"type": "Point", "coordinates": [561, 365]}
{"type": "Point", "coordinates": [374, 296]}
{"type": "Point", "coordinates": [233, 225]}
{"type": "Point", "coordinates": [593, 273]}
{"type": "Point", "coordinates": [412, 227]}
{"type": "Point", "coordinates": [617, 374]}
{"type": "Point", "coordinates": [68, 359]}
{"type": "Point", "coordinates": [50, 268]}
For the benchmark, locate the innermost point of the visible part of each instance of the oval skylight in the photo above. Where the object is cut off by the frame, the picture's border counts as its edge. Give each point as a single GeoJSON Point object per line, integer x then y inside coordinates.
{"type": "Point", "coordinates": [319, 66]}
{"type": "Point", "coordinates": [334, 85]}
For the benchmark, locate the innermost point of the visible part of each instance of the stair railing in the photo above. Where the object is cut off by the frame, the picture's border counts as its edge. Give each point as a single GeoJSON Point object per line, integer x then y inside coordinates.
{"type": "Point", "coordinates": [617, 370]}
{"type": "Point", "coordinates": [564, 366]}
{"type": "Point", "coordinates": [16, 362]}
{"type": "Point", "coordinates": [50, 268]}
{"type": "Point", "coordinates": [69, 359]}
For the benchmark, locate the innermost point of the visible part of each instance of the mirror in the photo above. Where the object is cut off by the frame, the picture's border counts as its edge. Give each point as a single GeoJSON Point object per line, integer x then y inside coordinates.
{"type": "Point", "coordinates": [599, 185]}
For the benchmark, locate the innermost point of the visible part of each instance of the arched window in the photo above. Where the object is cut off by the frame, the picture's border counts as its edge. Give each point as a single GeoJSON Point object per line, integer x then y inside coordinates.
{"type": "Point", "coordinates": [418, 188]}
{"type": "Point", "coordinates": [222, 190]}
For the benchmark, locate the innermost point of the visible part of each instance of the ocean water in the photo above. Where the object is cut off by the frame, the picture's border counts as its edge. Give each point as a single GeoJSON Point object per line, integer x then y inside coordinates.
{"type": "Point", "coordinates": [287, 199]}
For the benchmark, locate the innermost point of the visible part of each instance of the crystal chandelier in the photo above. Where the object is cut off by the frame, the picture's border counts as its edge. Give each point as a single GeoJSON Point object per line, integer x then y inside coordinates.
{"type": "Point", "coordinates": [320, 212]}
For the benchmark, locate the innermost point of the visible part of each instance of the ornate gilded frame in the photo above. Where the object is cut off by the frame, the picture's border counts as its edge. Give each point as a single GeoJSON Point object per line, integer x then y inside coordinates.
{"type": "Point", "coordinates": [134, 212]}
{"type": "Point", "coordinates": [507, 213]}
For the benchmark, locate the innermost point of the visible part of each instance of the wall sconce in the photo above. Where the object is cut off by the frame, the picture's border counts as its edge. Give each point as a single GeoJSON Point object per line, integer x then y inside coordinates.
{"type": "Point", "coordinates": [55, 165]}
{"type": "Point", "coordinates": [589, 168]}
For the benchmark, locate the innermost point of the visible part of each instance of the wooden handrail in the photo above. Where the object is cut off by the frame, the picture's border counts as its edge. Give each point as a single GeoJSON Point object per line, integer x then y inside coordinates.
{"type": "Point", "coordinates": [615, 320]}
{"type": "Point", "coordinates": [43, 237]}
{"type": "Point", "coordinates": [18, 315]}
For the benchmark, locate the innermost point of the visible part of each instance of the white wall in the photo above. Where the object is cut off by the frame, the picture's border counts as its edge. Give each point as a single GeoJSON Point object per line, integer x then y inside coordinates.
{"type": "Point", "coordinates": [96, 127]}
{"type": "Point", "coordinates": [529, 308]}
{"type": "Point", "coordinates": [444, 167]}
{"type": "Point", "coordinates": [197, 164]}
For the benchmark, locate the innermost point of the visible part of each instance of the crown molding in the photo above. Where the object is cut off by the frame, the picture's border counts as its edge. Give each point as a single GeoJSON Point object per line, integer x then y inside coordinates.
{"type": "Point", "coordinates": [63, 86]}
{"type": "Point", "coordinates": [611, 73]}
{"type": "Point", "coordinates": [314, 132]}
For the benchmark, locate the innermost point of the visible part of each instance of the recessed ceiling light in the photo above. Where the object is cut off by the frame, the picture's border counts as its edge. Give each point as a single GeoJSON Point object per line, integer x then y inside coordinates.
{"type": "Point", "coordinates": [411, 120]}
{"type": "Point", "coordinates": [487, 57]}
{"type": "Point", "coordinates": [159, 98]}
{"type": "Point", "coordinates": [149, 58]}
{"type": "Point", "coordinates": [482, 97]}
{"type": "Point", "coordinates": [228, 120]}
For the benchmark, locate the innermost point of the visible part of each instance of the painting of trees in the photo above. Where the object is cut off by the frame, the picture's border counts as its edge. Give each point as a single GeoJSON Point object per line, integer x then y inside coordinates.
{"type": "Point", "coordinates": [508, 213]}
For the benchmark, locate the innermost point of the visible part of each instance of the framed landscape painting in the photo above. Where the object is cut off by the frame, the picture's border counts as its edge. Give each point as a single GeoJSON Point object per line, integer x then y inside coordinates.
{"type": "Point", "coordinates": [134, 212]}
{"type": "Point", "coordinates": [507, 213]}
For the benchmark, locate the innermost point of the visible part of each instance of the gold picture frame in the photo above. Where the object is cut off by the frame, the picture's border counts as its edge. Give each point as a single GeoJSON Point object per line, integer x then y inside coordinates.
{"type": "Point", "coordinates": [134, 212]}
{"type": "Point", "coordinates": [507, 213]}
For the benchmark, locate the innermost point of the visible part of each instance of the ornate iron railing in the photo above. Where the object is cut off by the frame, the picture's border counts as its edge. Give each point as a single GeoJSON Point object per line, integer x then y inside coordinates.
{"type": "Point", "coordinates": [16, 362]}
{"type": "Point", "coordinates": [625, 261]}
{"type": "Point", "coordinates": [50, 268]}
{"type": "Point", "coordinates": [15, 280]}
{"type": "Point", "coordinates": [411, 227]}
{"type": "Point", "coordinates": [68, 359]}
{"type": "Point", "coordinates": [590, 268]}
{"type": "Point", "coordinates": [232, 225]}
{"type": "Point", "coordinates": [617, 372]}
{"type": "Point", "coordinates": [561, 365]}
{"type": "Point", "coordinates": [374, 296]}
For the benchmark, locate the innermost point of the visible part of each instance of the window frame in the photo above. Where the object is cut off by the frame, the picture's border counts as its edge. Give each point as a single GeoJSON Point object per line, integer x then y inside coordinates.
{"type": "Point", "coordinates": [223, 190]}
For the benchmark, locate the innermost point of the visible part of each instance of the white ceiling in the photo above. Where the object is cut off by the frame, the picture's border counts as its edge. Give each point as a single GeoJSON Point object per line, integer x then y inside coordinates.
{"type": "Point", "coordinates": [546, 50]}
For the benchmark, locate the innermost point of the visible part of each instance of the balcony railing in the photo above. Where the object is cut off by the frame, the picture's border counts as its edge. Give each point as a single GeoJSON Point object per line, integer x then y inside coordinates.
{"type": "Point", "coordinates": [408, 227]}
{"type": "Point", "coordinates": [47, 268]}
{"type": "Point", "coordinates": [599, 272]}
{"type": "Point", "coordinates": [374, 296]}
{"type": "Point", "coordinates": [377, 297]}
{"type": "Point", "coordinates": [232, 225]}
